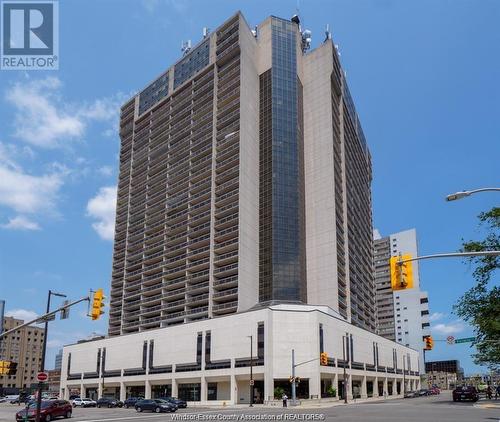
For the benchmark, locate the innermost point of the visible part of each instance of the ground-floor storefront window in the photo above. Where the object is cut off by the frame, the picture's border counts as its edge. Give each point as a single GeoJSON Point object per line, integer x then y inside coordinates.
{"type": "Point", "coordinates": [190, 392]}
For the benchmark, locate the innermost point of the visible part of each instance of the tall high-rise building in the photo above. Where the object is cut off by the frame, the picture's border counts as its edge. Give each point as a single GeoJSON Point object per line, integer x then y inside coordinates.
{"type": "Point", "coordinates": [402, 315]}
{"type": "Point", "coordinates": [58, 360]}
{"type": "Point", "coordinates": [243, 226]}
{"type": "Point", "coordinates": [24, 347]}
{"type": "Point", "coordinates": [244, 179]}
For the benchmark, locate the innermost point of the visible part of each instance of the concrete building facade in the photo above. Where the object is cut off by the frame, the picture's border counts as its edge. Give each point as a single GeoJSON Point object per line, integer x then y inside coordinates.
{"type": "Point", "coordinates": [402, 315]}
{"type": "Point", "coordinates": [208, 361]}
{"type": "Point", "coordinates": [23, 346]}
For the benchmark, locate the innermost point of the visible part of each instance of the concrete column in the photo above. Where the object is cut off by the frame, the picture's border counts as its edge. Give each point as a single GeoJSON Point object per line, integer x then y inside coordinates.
{"type": "Point", "coordinates": [375, 387]}
{"type": "Point", "coordinates": [315, 385]}
{"type": "Point", "coordinates": [386, 387]}
{"type": "Point", "coordinates": [364, 392]}
{"type": "Point", "coordinates": [147, 390]}
{"type": "Point", "coordinates": [64, 393]}
{"type": "Point", "coordinates": [123, 391]}
{"type": "Point", "coordinates": [175, 391]}
{"type": "Point", "coordinates": [349, 387]}
{"type": "Point", "coordinates": [234, 390]}
{"type": "Point", "coordinates": [82, 391]}
{"type": "Point", "coordinates": [335, 382]}
{"type": "Point", "coordinates": [203, 390]}
{"type": "Point", "coordinates": [99, 390]}
{"type": "Point", "coordinates": [268, 386]}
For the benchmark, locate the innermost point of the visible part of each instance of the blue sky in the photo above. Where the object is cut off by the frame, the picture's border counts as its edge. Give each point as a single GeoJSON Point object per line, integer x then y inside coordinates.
{"type": "Point", "coordinates": [423, 74]}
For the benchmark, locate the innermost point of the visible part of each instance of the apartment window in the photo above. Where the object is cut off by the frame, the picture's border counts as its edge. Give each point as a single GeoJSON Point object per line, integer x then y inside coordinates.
{"type": "Point", "coordinates": [424, 300]}
{"type": "Point", "coordinates": [426, 312]}
{"type": "Point", "coordinates": [425, 325]}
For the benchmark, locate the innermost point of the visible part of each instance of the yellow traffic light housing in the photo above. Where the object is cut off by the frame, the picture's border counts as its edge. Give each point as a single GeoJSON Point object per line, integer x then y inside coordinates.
{"type": "Point", "coordinates": [323, 359]}
{"type": "Point", "coordinates": [7, 367]}
{"type": "Point", "coordinates": [401, 272]}
{"type": "Point", "coordinates": [97, 304]}
{"type": "Point", "coordinates": [429, 343]}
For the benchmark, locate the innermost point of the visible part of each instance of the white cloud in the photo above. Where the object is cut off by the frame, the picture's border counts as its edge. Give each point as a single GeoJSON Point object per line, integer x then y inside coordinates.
{"type": "Point", "coordinates": [451, 328]}
{"type": "Point", "coordinates": [376, 234]}
{"type": "Point", "coordinates": [102, 208]}
{"type": "Point", "coordinates": [20, 223]}
{"type": "Point", "coordinates": [24, 314]}
{"type": "Point", "coordinates": [45, 120]}
{"type": "Point", "coordinates": [436, 316]}
{"type": "Point", "coordinates": [105, 171]}
{"type": "Point", "coordinates": [25, 193]}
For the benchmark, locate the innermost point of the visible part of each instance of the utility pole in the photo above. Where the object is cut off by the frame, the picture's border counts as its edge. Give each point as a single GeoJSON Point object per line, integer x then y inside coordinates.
{"type": "Point", "coordinates": [404, 375]}
{"type": "Point", "coordinates": [344, 353]}
{"type": "Point", "coordinates": [44, 349]}
{"type": "Point", "coordinates": [294, 386]}
{"type": "Point", "coordinates": [251, 371]}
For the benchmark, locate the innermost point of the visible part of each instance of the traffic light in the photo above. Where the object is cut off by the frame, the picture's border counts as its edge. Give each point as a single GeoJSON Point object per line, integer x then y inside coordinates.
{"type": "Point", "coordinates": [12, 368]}
{"type": "Point", "coordinates": [429, 343]}
{"type": "Point", "coordinates": [323, 359]}
{"type": "Point", "coordinates": [97, 304]}
{"type": "Point", "coordinates": [401, 274]}
{"type": "Point", "coordinates": [7, 367]}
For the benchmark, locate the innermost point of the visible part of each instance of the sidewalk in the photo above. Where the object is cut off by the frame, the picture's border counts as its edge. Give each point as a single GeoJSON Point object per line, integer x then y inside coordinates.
{"type": "Point", "coordinates": [488, 403]}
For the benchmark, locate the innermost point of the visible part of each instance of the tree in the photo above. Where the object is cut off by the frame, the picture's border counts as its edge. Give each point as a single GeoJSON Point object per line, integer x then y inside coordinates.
{"type": "Point", "coordinates": [480, 306]}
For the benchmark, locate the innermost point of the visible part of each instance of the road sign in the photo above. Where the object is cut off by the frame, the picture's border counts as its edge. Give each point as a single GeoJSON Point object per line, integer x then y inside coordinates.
{"type": "Point", "coordinates": [465, 340]}
{"type": "Point", "coordinates": [450, 340]}
{"type": "Point", "coordinates": [252, 382]}
{"type": "Point", "coordinates": [42, 376]}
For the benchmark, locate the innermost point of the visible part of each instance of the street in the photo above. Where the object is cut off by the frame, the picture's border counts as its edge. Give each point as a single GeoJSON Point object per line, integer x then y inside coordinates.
{"type": "Point", "coordinates": [431, 409]}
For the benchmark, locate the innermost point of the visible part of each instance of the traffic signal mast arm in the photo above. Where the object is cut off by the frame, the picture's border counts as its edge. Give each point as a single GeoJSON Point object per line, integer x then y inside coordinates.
{"type": "Point", "coordinates": [448, 255]}
{"type": "Point", "coordinates": [45, 316]}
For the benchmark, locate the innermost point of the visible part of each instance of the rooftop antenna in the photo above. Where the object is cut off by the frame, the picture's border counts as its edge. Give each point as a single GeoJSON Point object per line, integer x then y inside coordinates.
{"type": "Point", "coordinates": [185, 47]}
{"type": "Point", "coordinates": [206, 31]}
{"type": "Point", "coordinates": [328, 34]}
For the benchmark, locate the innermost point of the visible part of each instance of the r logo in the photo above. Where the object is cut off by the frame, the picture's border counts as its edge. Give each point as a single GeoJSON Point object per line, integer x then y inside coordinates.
{"type": "Point", "coordinates": [28, 28]}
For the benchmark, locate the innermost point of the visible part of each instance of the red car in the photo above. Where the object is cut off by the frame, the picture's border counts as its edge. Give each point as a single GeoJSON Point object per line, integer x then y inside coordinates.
{"type": "Point", "coordinates": [50, 410]}
{"type": "Point", "coordinates": [435, 391]}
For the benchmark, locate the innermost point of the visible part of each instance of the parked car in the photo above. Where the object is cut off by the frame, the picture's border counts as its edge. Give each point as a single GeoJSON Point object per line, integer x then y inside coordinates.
{"type": "Point", "coordinates": [83, 402]}
{"type": "Point", "coordinates": [411, 394]}
{"type": "Point", "coordinates": [109, 402]}
{"type": "Point", "coordinates": [435, 391]}
{"type": "Point", "coordinates": [181, 404]}
{"type": "Point", "coordinates": [465, 393]}
{"type": "Point", "coordinates": [50, 410]}
{"type": "Point", "coordinates": [155, 405]}
{"type": "Point", "coordinates": [424, 392]}
{"type": "Point", "coordinates": [131, 401]}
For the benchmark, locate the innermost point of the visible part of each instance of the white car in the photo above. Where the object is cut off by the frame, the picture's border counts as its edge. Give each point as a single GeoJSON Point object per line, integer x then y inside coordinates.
{"type": "Point", "coordinates": [83, 402]}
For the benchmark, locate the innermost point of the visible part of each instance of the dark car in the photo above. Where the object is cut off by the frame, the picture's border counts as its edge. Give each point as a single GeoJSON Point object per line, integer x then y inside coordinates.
{"type": "Point", "coordinates": [50, 409]}
{"type": "Point", "coordinates": [131, 401]}
{"type": "Point", "coordinates": [155, 405]}
{"type": "Point", "coordinates": [465, 393]}
{"type": "Point", "coordinates": [424, 392]}
{"type": "Point", "coordinates": [410, 394]}
{"type": "Point", "coordinates": [181, 404]}
{"type": "Point", "coordinates": [109, 402]}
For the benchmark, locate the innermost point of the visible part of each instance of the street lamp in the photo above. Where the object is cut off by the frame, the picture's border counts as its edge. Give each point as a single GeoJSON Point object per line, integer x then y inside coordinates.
{"type": "Point", "coordinates": [463, 194]}
{"type": "Point", "coordinates": [251, 370]}
{"type": "Point", "coordinates": [44, 350]}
